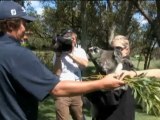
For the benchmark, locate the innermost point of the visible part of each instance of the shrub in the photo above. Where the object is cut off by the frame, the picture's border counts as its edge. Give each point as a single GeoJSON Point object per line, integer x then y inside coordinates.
{"type": "Point", "coordinates": [46, 57]}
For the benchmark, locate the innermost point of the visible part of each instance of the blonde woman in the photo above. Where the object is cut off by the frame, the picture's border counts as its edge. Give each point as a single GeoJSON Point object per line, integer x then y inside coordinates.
{"type": "Point", "coordinates": [116, 104]}
{"type": "Point", "coordinates": [124, 109]}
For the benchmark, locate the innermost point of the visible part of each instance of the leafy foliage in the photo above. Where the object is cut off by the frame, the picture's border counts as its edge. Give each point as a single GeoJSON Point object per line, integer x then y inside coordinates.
{"type": "Point", "coordinates": [145, 90]}
{"type": "Point", "coordinates": [46, 57]}
{"type": "Point", "coordinates": [94, 22]}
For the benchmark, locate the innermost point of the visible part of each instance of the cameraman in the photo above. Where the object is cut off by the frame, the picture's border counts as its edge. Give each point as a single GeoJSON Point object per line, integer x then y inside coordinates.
{"type": "Point", "coordinates": [68, 65]}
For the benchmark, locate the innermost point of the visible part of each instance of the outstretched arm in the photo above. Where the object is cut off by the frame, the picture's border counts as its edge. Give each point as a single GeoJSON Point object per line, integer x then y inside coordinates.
{"type": "Point", "coordinates": [69, 88]}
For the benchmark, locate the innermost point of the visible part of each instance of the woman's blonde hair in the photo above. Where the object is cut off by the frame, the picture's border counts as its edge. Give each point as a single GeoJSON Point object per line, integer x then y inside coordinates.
{"type": "Point", "coordinates": [122, 40]}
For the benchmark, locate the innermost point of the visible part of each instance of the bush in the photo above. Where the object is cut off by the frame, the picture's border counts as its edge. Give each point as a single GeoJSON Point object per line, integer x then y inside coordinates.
{"type": "Point", "coordinates": [46, 57]}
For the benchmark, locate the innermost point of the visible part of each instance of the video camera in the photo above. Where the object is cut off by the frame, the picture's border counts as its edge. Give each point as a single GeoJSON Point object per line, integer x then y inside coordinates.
{"type": "Point", "coordinates": [63, 41]}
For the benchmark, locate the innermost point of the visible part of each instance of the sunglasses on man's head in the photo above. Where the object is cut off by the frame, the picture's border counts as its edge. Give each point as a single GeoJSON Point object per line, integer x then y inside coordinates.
{"type": "Point", "coordinates": [119, 48]}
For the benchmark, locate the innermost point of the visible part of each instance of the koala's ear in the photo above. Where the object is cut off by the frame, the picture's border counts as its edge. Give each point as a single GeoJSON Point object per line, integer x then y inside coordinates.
{"type": "Point", "coordinates": [118, 55]}
{"type": "Point", "coordinates": [117, 52]}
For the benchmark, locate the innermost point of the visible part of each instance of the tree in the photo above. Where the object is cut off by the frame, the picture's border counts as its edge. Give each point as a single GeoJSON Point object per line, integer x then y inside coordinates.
{"type": "Point", "coordinates": [152, 15]}
{"type": "Point", "coordinates": [97, 22]}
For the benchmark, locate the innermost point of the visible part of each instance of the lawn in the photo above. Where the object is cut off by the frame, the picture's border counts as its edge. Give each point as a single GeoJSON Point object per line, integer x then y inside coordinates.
{"type": "Point", "coordinates": [47, 112]}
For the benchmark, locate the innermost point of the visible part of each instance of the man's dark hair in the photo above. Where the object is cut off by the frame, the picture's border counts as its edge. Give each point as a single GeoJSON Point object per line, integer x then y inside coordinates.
{"type": "Point", "coordinates": [9, 25]}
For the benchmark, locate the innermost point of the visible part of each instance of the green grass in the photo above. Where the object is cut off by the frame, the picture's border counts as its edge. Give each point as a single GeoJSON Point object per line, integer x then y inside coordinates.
{"type": "Point", "coordinates": [143, 116]}
{"type": "Point", "coordinates": [140, 65]}
{"type": "Point", "coordinates": [47, 112]}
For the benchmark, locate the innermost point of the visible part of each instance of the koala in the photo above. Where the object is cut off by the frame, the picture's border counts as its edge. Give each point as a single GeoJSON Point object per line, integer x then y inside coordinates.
{"type": "Point", "coordinates": [108, 61]}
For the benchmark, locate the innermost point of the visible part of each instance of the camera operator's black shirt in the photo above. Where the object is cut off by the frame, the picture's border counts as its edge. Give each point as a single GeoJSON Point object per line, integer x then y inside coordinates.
{"type": "Point", "coordinates": [24, 81]}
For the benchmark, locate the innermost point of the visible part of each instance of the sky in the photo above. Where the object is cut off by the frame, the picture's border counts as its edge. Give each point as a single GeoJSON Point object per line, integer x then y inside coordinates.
{"type": "Point", "coordinates": [37, 6]}
{"type": "Point", "coordinates": [140, 19]}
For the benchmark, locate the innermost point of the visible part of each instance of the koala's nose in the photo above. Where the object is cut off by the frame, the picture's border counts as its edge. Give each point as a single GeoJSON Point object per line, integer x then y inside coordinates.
{"type": "Point", "coordinates": [91, 50]}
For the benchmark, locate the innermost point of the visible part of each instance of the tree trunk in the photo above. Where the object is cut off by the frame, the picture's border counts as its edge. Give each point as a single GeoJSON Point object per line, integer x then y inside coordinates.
{"type": "Point", "coordinates": [84, 24]}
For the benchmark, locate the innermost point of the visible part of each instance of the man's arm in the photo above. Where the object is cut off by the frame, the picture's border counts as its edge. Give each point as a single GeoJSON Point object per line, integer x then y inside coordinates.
{"type": "Point", "coordinates": [80, 61]}
{"type": "Point", "coordinates": [71, 88]}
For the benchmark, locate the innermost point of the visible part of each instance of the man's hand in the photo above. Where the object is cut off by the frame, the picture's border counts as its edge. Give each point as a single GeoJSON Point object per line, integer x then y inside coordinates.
{"type": "Point", "coordinates": [111, 81]}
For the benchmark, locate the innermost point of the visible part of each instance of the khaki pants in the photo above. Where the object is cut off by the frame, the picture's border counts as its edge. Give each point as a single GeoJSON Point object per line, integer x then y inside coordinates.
{"type": "Point", "coordinates": [66, 106]}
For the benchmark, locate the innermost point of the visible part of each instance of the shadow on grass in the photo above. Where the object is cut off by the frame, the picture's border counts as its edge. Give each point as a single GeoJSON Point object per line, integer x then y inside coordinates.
{"type": "Point", "coordinates": [46, 109]}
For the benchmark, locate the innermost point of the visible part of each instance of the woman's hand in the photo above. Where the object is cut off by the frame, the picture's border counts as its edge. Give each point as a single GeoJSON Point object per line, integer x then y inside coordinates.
{"type": "Point", "coordinates": [123, 73]}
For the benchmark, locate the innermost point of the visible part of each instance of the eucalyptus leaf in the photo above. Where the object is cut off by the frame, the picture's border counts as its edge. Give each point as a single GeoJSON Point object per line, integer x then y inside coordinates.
{"type": "Point", "coordinates": [146, 91]}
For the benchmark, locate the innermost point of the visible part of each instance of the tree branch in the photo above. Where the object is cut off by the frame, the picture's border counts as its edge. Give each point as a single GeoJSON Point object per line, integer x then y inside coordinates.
{"type": "Point", "coordinates": [135, 2]}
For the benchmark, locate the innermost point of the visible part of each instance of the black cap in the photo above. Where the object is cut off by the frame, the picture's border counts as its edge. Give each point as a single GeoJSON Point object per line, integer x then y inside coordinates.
{"type": "Point", "coordinates": [10, 9]}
